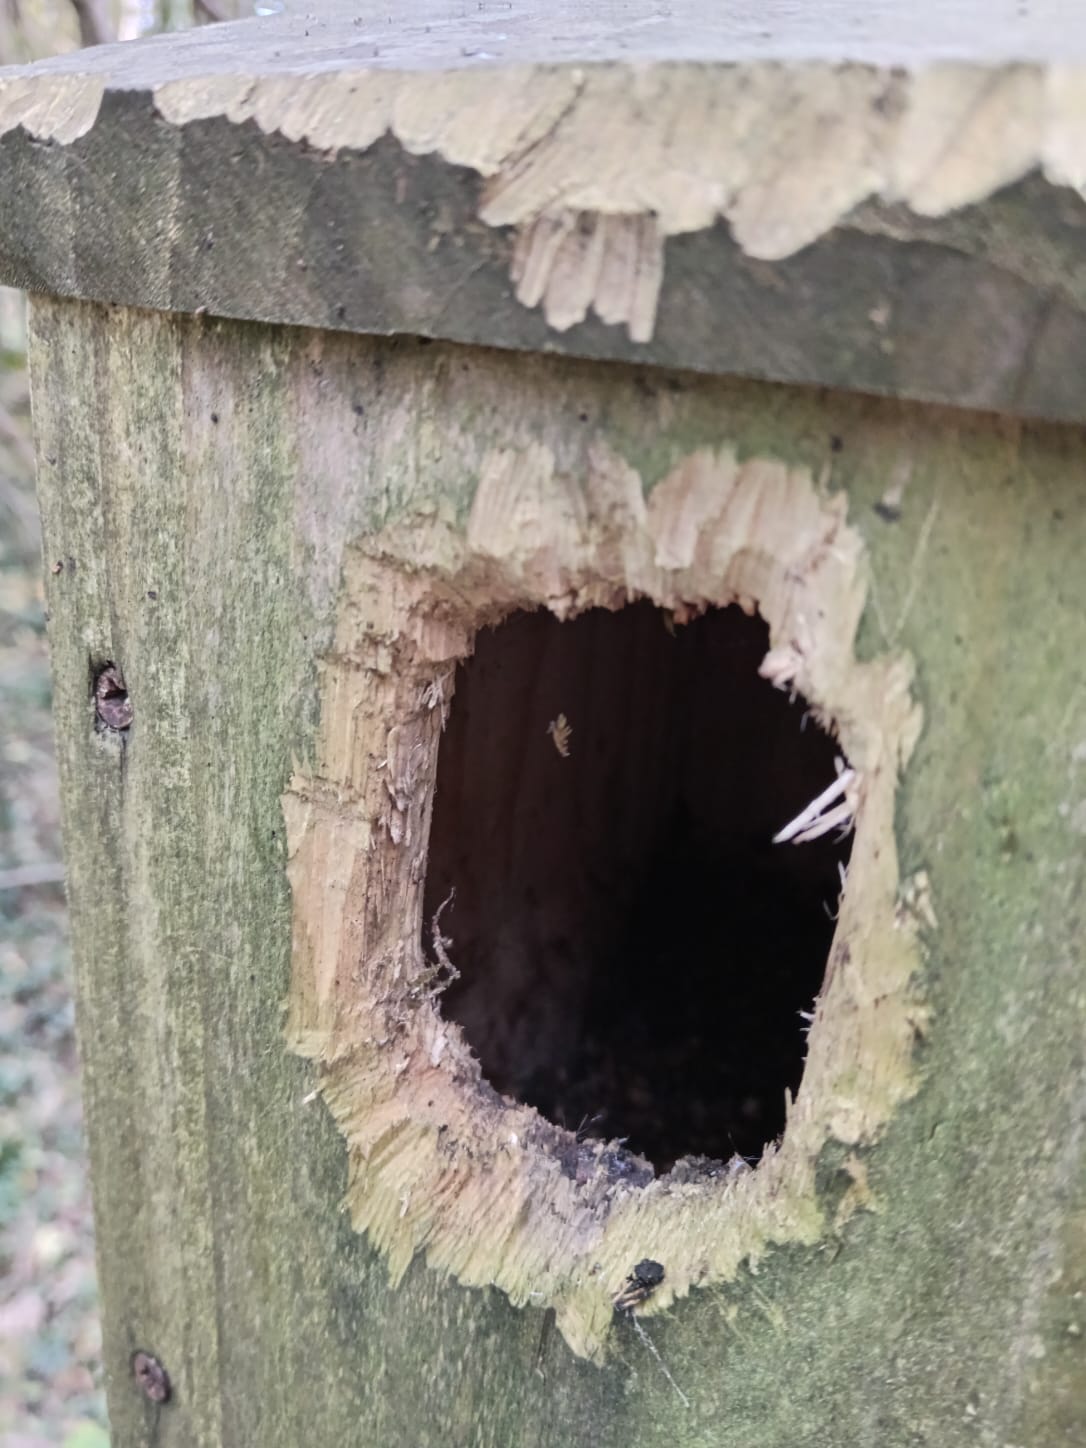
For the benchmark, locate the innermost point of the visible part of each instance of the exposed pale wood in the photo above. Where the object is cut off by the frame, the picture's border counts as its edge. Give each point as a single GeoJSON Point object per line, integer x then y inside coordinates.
{"type": "Point", "coordinates": [838, 203]}
{"type": "Point", "coordinates": [437, 1165]}
{"type": "Point", "coordinates": [215, 485]}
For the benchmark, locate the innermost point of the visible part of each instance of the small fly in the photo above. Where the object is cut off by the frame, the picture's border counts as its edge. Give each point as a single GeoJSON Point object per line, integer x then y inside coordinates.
{"type": "Point", "coordinates": [639, 1286]}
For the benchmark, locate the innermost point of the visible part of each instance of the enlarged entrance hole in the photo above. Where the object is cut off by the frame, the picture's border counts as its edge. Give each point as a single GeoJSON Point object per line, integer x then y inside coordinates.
{"type": "Point", "coordinates": [636, 956]}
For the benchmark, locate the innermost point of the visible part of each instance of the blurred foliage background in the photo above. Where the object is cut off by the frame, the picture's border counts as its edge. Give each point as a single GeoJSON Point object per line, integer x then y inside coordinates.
{"type": "Point", "coordinates": [50, 1373]}
{"type": "Point", "coordinates": [31, 29]}
{"type": "Point", "coordinates": [49, 1388]}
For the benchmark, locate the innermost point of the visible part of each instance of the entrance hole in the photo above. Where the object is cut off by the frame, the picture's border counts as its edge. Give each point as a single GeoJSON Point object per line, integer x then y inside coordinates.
{"type": "Point", "coordinates": [634, 951]}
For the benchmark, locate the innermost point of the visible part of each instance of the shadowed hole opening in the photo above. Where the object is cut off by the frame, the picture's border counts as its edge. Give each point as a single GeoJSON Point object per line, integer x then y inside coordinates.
{"type": "Point", "coordinates": [635, 952]}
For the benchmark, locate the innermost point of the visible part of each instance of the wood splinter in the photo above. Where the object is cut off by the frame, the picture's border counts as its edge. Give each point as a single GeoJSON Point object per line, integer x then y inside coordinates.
{"type": "Point", "coordinates": [812, 823]}
{"type": "Point", "coordinates": [560, 730]}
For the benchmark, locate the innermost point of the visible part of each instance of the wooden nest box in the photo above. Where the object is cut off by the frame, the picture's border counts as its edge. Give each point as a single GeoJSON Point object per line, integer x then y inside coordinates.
{"type": "Point", "coordinates": [564, 547]}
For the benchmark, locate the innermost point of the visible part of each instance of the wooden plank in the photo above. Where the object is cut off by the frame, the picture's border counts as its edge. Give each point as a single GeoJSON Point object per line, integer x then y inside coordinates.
{"type": "Point", "coordinates": [203, 487]}
{"type": "Point", "coordinates": [829, 200]}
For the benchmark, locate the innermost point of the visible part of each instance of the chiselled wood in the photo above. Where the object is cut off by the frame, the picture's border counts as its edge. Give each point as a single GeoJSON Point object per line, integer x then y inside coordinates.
{"type": "Point", "coordinates": [855, 203]}
{"type": "Point", "coordinates": [271, 533]}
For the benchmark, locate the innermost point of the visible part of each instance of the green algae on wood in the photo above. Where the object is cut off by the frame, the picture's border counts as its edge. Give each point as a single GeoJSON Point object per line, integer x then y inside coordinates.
{"type": "Point", "coordinates": [942, 1311]}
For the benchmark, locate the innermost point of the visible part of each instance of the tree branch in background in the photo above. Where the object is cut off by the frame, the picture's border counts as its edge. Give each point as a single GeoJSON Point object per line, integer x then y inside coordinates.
{"type": "Point", "coordinates": [95, 27]}
{"type": "Point", "coordinates": [208, 12]}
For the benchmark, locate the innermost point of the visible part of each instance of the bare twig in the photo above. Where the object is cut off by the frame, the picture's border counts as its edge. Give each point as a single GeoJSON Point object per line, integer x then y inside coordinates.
{"type": "Point", "coordinates": [209, 12]}
{"type": "Point", "coordinates": [95, 27]}
{"type": "Point", "coordinates": [49, 872]}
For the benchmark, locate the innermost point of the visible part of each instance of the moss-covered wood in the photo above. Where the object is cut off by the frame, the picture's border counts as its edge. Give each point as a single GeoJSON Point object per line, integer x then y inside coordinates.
{"type": "Point", "coordinates": [201, 482]}
{"type": "Point", "coordinates": [840, 199]}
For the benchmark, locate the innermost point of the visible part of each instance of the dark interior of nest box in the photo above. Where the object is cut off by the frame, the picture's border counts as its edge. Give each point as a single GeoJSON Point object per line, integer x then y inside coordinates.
{"type": "Point", "coordinates": [635, 952]}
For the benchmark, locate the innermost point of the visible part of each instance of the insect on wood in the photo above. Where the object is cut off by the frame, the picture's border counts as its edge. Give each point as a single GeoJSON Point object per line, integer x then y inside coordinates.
{"type": "Point", "coordinates": [639, 1285]}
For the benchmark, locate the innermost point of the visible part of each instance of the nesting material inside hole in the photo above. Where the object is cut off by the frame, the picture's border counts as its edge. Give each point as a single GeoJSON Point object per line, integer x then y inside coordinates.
{"type": "Point", "coordinates": [636, 955]}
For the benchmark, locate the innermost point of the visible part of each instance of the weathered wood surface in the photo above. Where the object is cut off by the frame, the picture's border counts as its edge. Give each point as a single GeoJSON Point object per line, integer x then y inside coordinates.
{"type": "Point", "coordinates": [849, 200]}
{"type": "Point", "coordinates": [201, 484]}
{"type": "Point", "coordinates": [837, 205]}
